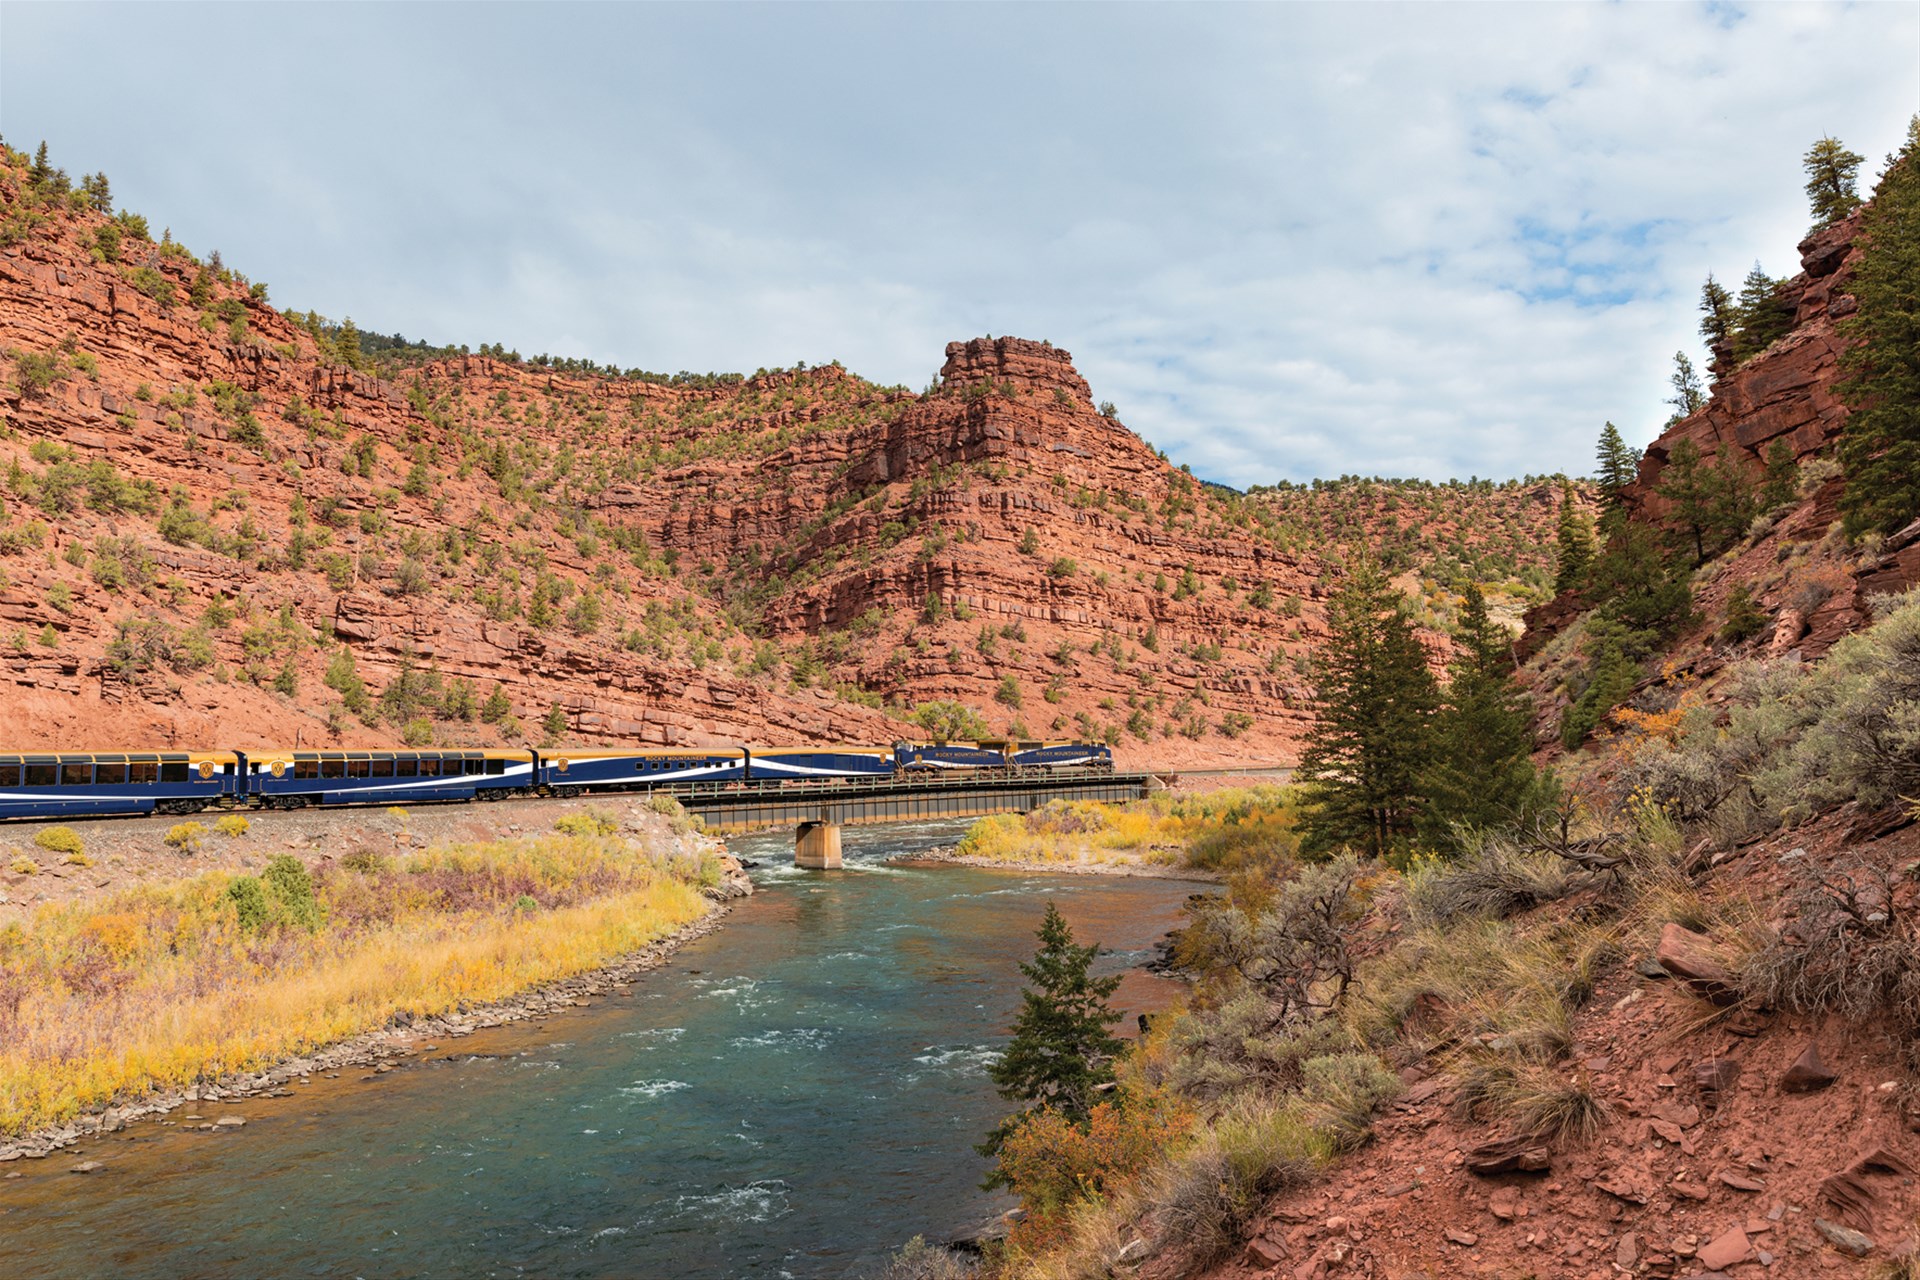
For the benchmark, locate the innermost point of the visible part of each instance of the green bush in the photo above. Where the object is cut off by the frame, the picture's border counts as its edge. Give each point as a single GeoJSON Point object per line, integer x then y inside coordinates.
{"type": "Point", "coordinates": [249, 903]}
{"type": "Point", "coordinates": [291, 887]}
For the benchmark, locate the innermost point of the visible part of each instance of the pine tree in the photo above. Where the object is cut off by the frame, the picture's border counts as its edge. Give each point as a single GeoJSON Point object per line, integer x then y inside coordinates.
{"type": "Point", "coordinates": [1686, 483]}
{"type": "Point", "coordinates": [98, 191]}
{"type": "Point", "coordinates": [1574, 545]}
{"type": "Point", "coordinates": [1687, 398]}
{"type": "Point", "coordinates": [42, 167]}
{"type": "Point", "coordinates": [1371, 740]}
{"type": "Point", "coordinates": [1763, 316]}
{"type": "Point", "coordinates": [1880, 444]}
{"type": "Point", "coordinates": [1641, 584]}
{"type": "Point", "coordinates": [1617, 467]}
{"type": "Point", "coordinates": [1716, 315]}
{"type": "Point", "coordinates": [497, 707]}
{"type": "Point", "coordinates": [1730, 497]}
{"type": "Point", "coordinates": [1481, 774]}
{"type": "Point", "coordinates": [1781, 482]}
{"type": "Point", "coordinates": [1830, 181]}
{"type": "Point", "coordinates": [556, 725]}
{"type": "Point", "coordinates": [1062, 1050]}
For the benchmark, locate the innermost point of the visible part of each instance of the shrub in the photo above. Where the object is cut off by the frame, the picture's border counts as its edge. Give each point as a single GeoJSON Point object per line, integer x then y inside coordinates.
{"type": "Point", "coordinates": [291, 886]}
{"type": "Point", "coordinates": [676, 814]}
{"type": "Point", "coordinates": [249, 900]}
{"type": "Point", "coordinates": [60, 840]}
{"type": "Point", "coordinates": [231, 825]}
{"type": "Point", "coordinates": [594, 822]}
{"type": "Point", "coordinates": [78, 859]}
{"type": "Point", "coordinates": [1339, 1093]}
{"type": "Point", "coordinates": [1208, 1195]}
{"type": "Point", "coordinates": [918, 1260]}
{"type": "Point", "coordinates": [1496, 881]}
{"type": "Point", "coordinates": [1848, 948]}
{"type": "Point", "coordinates": [1551, 1107]}
{"type": "Point", "coordinates": [1050, 1162]}
{"type": "Point", "coordinates": [1744, 618]}
{"type": "Point", "coordinates": [185, 836]}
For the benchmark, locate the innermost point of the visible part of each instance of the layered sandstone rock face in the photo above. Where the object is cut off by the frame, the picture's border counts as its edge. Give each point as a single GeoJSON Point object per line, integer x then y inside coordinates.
{"type": "Point", "coordinates": [205, 512]}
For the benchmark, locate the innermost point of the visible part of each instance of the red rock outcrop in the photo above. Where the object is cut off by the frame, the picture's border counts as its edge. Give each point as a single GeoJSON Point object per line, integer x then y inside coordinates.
{"type": "Point", "coordinates": [206, 509]}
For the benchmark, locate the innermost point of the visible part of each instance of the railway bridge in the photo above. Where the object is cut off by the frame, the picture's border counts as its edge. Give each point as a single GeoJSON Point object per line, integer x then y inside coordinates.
{"type": "Point", "coordinates": [818, 809]}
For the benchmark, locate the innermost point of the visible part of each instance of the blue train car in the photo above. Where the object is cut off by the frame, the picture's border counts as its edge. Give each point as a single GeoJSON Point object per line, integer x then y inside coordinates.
{"type": "Point", "coordinates": [295, 779]}
{"type": "Point", "coordinates": [919, 757]}
{"type": "Point", "coordinates": [819, 762]}
{"type": "Point", "coordinates": [567, 773]}
{"type": "Point", "coordinates": [100, 784]}
{"type": "Point", "coordinates": [1061, 755]}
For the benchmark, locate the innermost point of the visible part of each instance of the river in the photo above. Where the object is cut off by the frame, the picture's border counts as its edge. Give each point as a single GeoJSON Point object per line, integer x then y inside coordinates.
{"type": "Point", "coordinates": [789, 1097]}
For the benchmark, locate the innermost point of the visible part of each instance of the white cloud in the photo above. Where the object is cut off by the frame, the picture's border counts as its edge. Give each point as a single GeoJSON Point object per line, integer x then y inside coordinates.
{"type": "Point", "coordinates": [1286, 240]}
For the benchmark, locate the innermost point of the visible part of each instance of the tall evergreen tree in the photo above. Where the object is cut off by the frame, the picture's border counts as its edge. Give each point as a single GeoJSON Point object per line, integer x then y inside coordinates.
{"type": "Point", "coordinates": [1481, 773]}
{"type": "Point", "coordinates": [1763, 315]}
{"type": "Point", "coordinates": [1831, 169]}
{"type": "Point", "coordinates": [1687, 398]}
{"type": "Point", "coordinates": [98, 191]}
{"type": "Point", "coordinates": [1371, 740]}
{"type": "Point", "coordinates": [1573, 545]}
{"type": "Point", "coordinates": [1716, 314]}
{"type": "Point", "coordinates": [1880, 444]}
{"type": "Point", "coordinates": [1617, 466]}
{"type": "Point", "coordinates": [1686, 483]}
{"type": "Point", "coordinates": [1062, 1050]}
{"type": "Point", "coordinates": [1781, 482]}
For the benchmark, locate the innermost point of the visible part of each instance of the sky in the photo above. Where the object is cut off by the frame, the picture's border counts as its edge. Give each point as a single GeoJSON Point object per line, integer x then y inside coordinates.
{"type": "Point", "coordinates": [1286, 240]}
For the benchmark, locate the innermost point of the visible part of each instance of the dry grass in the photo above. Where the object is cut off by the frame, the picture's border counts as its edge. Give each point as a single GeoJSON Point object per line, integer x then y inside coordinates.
{"type": "Point", "coordinates": [163, 985]}
{"type": "Point", "coordinates": [1220, 830]}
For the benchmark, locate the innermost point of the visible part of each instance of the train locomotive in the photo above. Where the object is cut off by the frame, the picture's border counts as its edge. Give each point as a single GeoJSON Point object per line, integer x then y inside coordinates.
{"type": "Point", "coordinates": [51, 785]}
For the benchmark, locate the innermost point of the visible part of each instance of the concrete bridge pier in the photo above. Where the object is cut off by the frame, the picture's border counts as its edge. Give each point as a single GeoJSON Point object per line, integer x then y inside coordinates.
{"type": "Point", "coordinates": [816, 846]}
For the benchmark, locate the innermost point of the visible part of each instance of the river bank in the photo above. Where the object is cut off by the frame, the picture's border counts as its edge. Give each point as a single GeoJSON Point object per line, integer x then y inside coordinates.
{"type": "Point", "coordinates": [136, 1000]}
{"type": "Point", "coordinates": [1089, 862]}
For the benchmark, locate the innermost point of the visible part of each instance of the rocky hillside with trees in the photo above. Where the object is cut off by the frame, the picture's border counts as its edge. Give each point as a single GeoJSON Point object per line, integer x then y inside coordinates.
{"type": "Point", "coordinates": [1639, 1003]}
{"type": "Point", "coordinates": [228, 523]}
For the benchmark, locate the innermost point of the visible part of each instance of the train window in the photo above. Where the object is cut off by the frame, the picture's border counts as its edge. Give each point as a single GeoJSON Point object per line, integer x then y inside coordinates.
{"type": "Point", "coordinates": [42, 775]}
{"type": "Point", "coordinates": [333, 768]}
{"type": "Point", "coordinates": [76, 775]}
{"type": "Point", "coordinates": [9, 775]}
{"type": "Point", "coordinates": [144, 772]}
{"type": "Point", "coordinates": [430, 767]}
{"type": "Point", "coordinates": [306, 769]}
{"type": "Point", "coordinates": [109, 774]}
{"type": "Point", "coordinates": [173, 771]}
{"type": "Point", "coordinates": [496, 768]}
{"type": "Point", "coordinates": [382, 767]}
{"type": "Point", "coordinates": [406, 768]}
{"type": "Point", "coordinates": [358, 768]}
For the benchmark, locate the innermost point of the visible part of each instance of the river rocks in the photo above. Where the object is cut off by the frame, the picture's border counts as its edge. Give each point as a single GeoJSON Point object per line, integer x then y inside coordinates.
{"type": "Point", "coordinates": [87, 1166]}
